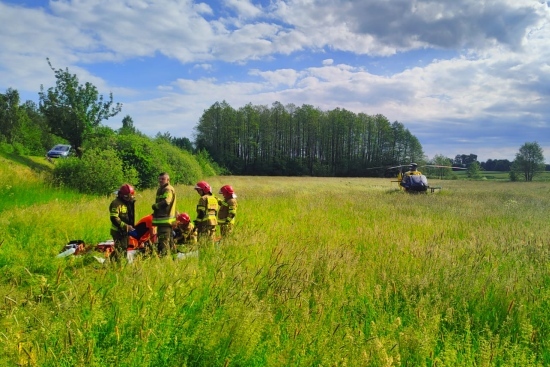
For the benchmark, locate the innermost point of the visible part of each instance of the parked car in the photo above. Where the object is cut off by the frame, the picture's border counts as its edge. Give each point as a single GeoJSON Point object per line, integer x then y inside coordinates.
{"type": "Point", "coordinates": [60, 150]}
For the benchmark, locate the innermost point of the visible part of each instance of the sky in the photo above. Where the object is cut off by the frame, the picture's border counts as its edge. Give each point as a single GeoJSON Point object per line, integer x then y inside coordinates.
{"type": "Point", "coordinates": [463, 76]}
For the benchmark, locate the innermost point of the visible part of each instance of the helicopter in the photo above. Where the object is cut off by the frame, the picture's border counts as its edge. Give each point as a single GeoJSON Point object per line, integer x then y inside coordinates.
{"type": "Point", "coordinates": [410, 180]}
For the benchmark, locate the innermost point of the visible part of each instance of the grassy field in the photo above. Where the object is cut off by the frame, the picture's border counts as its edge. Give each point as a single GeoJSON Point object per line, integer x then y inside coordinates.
{"type": "Point", "coordinates": [319, 272]}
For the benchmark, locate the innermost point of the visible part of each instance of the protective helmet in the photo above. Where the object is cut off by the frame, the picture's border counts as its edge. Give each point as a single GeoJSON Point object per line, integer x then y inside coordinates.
{"type": "Point", "coordinates": [204, 186]}
{"type": "Point", "coordinates": [227, 190]}
{"type": "Point", "coordinates": [183, 218]}
{"type": "Point", "coordinates": [126, 192]}
{"type": "Point", "coordinates": [414, 165]}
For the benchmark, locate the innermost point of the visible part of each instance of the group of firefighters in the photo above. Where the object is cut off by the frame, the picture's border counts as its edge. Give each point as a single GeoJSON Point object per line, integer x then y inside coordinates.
{"type": "Point", "coordinates": [165, 227]}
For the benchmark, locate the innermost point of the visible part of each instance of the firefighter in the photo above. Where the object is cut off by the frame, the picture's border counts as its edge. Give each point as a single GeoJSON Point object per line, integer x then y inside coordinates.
{"type": "Point", "coordinates": [164, 214]}
{"type": "Point", "coordinates": [207, 211]}
{"type": "Point", "coordinates": [121, 213]}
{"type": "Point", "coordinates": [228, 210]}
{"type": "Point", "coordinates": [184, 230]}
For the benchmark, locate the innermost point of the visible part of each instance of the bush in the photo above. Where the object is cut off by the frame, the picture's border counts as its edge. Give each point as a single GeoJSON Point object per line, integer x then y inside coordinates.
{"type": "Point", "coordinates": [5, 147]}
{"type": "Point", "coordinates": [208, 166]}
{"type": "Point", "coordinates": [139, 153]}
{"type": "Point", "coordinates": [20, 149]}
{"type": "Point", "coordinates": [181, 165]}
{"type": "Point", "coordinates": [98, 172]}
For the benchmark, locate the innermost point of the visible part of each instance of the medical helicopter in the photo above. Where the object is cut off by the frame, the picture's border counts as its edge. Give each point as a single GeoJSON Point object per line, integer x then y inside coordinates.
{"type": "Point", "coordinates": [410, 180]}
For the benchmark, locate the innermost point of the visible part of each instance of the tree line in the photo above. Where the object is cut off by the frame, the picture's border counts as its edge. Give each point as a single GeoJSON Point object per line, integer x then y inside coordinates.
{"type": "Point", "coordinates": [254, 139]}
{"type": "Point", "coordinates": [292, 140]}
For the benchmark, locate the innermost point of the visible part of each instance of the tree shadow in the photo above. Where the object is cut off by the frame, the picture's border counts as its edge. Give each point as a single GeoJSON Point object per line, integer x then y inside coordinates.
{"type": "Point", "coordinates": [35, 164]}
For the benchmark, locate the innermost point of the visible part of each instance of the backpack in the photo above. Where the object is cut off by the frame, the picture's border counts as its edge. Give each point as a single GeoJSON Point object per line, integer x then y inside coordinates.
{"type": "Point", "coordinates": [416, 183]}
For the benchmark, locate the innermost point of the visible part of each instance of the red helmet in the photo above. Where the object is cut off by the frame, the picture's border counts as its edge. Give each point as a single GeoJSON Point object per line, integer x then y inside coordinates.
{"type": "Point", "coordinates": [183, 218]}
{"type": "Point", "coordinates": [126, 192]}
{"type": "Point", "coordinates": [204, 186]}
{"type": "Point", "coordinates": [227, 190]}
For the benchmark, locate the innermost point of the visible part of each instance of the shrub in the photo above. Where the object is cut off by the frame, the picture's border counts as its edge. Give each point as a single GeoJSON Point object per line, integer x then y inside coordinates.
{"type": "Point", "coordinates": [98, 172]}
{"type": "Point", "coordinates": [20, 149]}
{"type": "Point", "coordinates": [5, 147]}
{"type": "Point", "coordinates": [181, 165]}
{"type": "Point", "coordinates": [208, 166]}
{"type": "Point", "coordinates": [139, 153]}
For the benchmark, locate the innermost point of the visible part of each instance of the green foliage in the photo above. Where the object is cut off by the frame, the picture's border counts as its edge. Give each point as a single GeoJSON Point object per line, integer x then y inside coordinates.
{"type": "Point", "coordinates": [529, 161]}
{"type": "Point", "coordinates": [99, 171]}
{"type": "Point", "coordinates": [181, 165]}
{"type": "Point", "coordinates": [73, 110]}
{"type": "Point", "coordinates": [474, 170]}
{"type": "Point", "coordinates": [22, 126]}
{"type": "Point", "coordinates": [182, 143]}
{"type": "Point", "coordinates": [127, 126]}
{"type": "Point", "coordinates": [150, 157]}
{"type": "Point", "coordinates": [207, 164]}
{"type": "Point", "coordinates": [6, 147]}
{"type": "Point", "coordinates": [20, 149]}
{"type": "Point", "coordinates": [291, 140]}
{"type": "Point", "coordinates": [10, 115]}
{"type": "Point", "coordinates": [440, 172]}
{"type": "Point", "coordinates": [140, 153]}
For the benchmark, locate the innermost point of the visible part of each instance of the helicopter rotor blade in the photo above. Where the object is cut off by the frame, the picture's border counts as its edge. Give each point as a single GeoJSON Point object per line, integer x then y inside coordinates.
{"type": "Point", "coordinates": [438, 166]}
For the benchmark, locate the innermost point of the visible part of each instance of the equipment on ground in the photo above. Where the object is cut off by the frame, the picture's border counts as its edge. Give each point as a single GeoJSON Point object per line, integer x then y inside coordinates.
{"type": "Point", "coordinates": [74, 247]}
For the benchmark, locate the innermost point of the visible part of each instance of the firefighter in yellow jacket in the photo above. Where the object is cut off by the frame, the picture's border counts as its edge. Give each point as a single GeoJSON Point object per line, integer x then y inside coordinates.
{"type": "Point", "coordinates": [207, 211]}
{"type": "Point", "coordinates": [121, 213]}
{"type": "Point", "coordinates": [184, 230]}
{"type": "Point", "coordinates": [228, 210]}
{"type": "Point", "coordinates": [164, 214]}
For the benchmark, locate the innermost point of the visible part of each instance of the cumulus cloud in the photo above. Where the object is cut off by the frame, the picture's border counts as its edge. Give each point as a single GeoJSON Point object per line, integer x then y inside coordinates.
{"type": "Point", "coordinates": [491, 95]}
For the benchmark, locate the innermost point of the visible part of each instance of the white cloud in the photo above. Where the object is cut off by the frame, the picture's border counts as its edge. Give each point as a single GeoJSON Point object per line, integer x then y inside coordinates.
{"type": "Point", "coordinates": [244, 8]}
{"type": "Point", "coordinates": [494, 89]}
{"type": "Point", "coordinates": [285, 77]}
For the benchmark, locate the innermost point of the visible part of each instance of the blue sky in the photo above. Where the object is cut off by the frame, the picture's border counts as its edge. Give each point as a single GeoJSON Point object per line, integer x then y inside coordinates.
{"type": "Point", "coordinates": [464, 76]}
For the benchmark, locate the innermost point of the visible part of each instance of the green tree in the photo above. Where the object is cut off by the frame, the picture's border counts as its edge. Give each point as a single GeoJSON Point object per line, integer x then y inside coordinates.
{"type": "Point", "coordinates": [127, 126]}
{"type": "Point", "coordinates": [529, 161]}
{"type": "Point", "coordinates": [474, 170]}
{"type": "Point", "coordinates": [73, 110]}
{"type": "Point", "coordinates": [9, 115]}
{"type": "Point", "coordinates": [440, 166]}
{"type": "Point", "coordinates": [182, 143]}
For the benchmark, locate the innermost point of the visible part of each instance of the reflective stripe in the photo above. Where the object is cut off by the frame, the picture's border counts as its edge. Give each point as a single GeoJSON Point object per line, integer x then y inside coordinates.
{"type": "Point", "coordinates": [207, 218]}
{"type": "Point", "coordinates": [168, 220]}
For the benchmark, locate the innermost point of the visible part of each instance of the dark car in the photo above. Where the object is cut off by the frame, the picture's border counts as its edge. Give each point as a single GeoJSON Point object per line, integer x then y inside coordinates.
{"type": "Point", "coordinates": [60, 150]}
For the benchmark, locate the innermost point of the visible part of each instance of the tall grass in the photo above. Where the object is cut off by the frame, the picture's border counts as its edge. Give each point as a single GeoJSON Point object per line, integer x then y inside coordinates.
{"type": "Point", "coordinates": [319, 272]}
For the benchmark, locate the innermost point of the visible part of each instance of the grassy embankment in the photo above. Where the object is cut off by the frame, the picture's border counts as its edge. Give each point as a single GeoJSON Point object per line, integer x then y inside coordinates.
{"type": "Point", "coordinates": [320, 272]}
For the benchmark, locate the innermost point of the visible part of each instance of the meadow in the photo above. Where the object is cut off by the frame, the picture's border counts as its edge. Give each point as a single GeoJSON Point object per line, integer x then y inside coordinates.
{"type": "Point", "coordinates": [319, 272]}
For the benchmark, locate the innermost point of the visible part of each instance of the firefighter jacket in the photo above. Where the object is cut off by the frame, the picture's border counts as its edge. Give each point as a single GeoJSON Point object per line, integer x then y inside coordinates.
{"type": "Point", "coordinates": [185, 233]}
{"type": "Point", "coordinates": [121, 214]}
{"type": "Point", "coordinates": [228, 210]}
{"type": "Point", "coordinates": [207, 210]}
{"type": "Point", "coordinates": [164, 208]}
